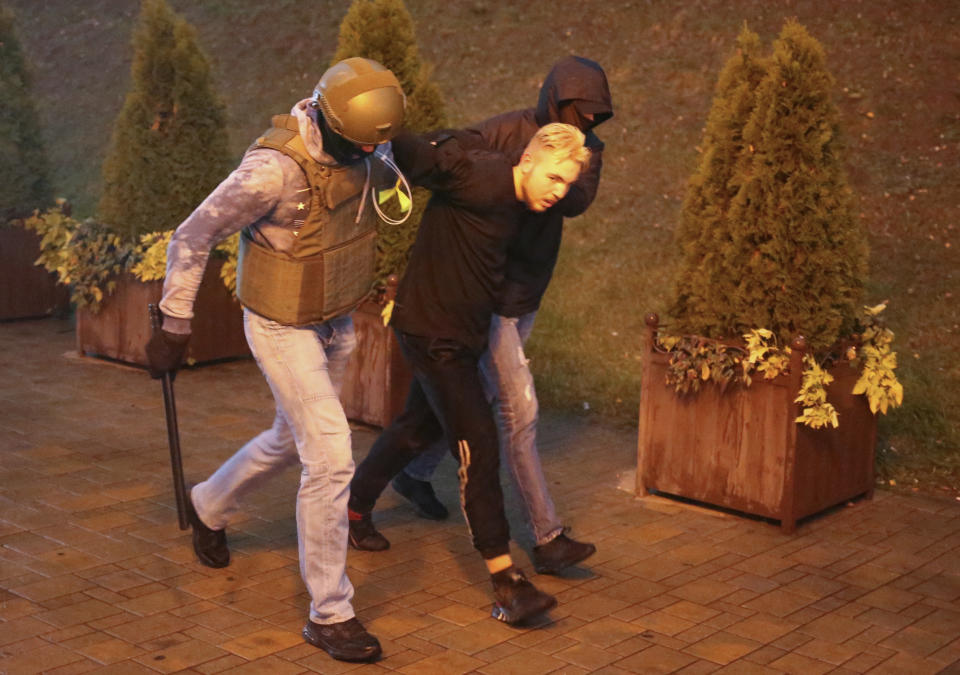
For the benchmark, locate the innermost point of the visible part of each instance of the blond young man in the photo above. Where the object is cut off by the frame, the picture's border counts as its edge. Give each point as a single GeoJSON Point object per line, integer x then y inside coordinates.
{"type": "Point", "coordinates": [442, 319]}
{"type": "Point", "coordinates": [576, 92]}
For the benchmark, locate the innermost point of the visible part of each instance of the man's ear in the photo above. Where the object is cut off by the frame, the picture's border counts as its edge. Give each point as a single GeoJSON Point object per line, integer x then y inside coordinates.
{"type": "Point", "coordinates": [526, 162]}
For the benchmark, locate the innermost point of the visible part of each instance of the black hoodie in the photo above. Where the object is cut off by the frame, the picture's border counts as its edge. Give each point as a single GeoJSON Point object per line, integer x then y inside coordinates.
{"type": "Point", "coordinates": [533, 253]}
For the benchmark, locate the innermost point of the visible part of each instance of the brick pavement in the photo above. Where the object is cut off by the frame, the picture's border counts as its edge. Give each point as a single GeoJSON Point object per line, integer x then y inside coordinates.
{"type": "Point", "coordinates": [96, 577]}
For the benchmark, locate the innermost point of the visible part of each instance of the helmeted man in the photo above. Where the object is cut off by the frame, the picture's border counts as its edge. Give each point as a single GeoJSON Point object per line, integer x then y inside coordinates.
{"type": "Point", "coordinates": [575, 92]}
{"type": "Point", "coordinates": [302, 200]}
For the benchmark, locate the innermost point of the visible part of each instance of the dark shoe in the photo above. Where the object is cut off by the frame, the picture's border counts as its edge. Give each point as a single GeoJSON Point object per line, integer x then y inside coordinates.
{"type": "Point", "coordinates": [518, 599]}
{"type": "Point", "coordinates": [421, 494]}
{"type": "Point", "coordinates": [364, 536]}
{"type": "Point", "coordinates": [345, 641]}
{"type": "Point", "coordinates": [209, 545]}
{"type": "Point", "coordinates": [560, 553]}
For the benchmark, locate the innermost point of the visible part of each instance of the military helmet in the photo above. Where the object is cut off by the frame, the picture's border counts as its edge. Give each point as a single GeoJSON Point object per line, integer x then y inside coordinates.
{"type": "Point", "coordinates": [361, 101]}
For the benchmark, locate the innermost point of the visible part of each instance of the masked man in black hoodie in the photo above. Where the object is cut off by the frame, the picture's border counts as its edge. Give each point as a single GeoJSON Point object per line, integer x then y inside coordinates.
{"type": "Point", "coordinates": [575, 92]}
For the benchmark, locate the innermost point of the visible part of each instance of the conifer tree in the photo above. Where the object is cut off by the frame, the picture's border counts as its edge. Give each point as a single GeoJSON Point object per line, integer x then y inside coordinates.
{"type": "Point", "coordinates": [24, 185]}
{"type": "Point", "coordinates": [705, 227]}
{"type": "Point", "coordinates": [169, 145]}
{"type": "Point", "coordinates": [383, 30]}
{"type": "Point", "coordinates": [793, 256]}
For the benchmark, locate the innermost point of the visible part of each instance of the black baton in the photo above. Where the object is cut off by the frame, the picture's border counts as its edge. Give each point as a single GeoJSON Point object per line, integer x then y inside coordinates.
{"type": "Point", "coordinates": [173, 435]}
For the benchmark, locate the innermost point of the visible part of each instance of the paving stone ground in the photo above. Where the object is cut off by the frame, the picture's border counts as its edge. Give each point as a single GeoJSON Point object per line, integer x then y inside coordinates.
{"type": "Point", "coordinates": [95, 576]}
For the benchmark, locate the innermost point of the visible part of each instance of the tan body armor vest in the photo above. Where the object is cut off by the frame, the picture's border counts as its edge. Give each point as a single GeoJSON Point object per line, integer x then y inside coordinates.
{"type": "Point", "coordinates": [331, 267]}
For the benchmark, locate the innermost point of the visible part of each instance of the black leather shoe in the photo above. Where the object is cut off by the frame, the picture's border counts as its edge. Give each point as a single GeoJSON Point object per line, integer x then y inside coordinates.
{"type": "Point", "coordinates": [364, 536]}
{"type": "Point", "coordinates": [209, 545]}
{"type": "Point", "coordinates": [420, 493]}
{"type": "Point", "coordinates": [560, 553]}
{"type": "Point", "coordinates": [344, 641]}
{"type": "Point", "coordinates": [517, 599]}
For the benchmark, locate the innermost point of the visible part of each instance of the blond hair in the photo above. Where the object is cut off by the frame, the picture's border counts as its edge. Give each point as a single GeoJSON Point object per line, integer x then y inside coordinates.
{"type": "Point", "coordinates": [563, 141]}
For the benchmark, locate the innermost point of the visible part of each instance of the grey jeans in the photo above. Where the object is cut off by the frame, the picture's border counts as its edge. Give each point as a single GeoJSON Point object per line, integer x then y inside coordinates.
{"type": "Point", "coordinates": [304, 367]}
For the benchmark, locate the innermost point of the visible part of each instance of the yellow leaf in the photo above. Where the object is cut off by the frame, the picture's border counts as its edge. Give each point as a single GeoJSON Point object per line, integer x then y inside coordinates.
{"type": "Point", "coordinates": [385, 195]}
{"type": "Point", "coordinates": [668, 342]}
{"type": "Point", "coordinates": [704, 372]}
{"type": "Point", "coordinates": [405, 201]}
{"type": "Point", "coordinates": [402, 197]}
{"type": "Point", "coordinates": [387, 312]}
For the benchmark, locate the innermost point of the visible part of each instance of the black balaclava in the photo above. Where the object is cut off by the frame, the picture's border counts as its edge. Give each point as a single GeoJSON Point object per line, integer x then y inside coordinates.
{"type": "Point", "coordinates": [345, 152]}
{"type": "Point", "coordinates": [575, 111]}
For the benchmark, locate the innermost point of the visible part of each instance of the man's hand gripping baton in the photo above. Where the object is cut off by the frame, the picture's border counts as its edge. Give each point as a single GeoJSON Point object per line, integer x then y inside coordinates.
{"type": "Point", "coordinates": [173, 434]}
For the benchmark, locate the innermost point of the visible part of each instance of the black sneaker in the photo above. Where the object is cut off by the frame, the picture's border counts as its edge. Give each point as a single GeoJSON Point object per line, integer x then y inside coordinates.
{"type": "Point", "coordinates": [560, 553]}
{"type": "Point", "coordinates": [518, 599]}
{"type": "Point", "coordinates": [421, 495]}
{"type": "Point", "coordinates": [209, 545]}
{"type": "Point", "coordinates": [364, 536]}
{"type": "Point", "coordinates": [345, 641]}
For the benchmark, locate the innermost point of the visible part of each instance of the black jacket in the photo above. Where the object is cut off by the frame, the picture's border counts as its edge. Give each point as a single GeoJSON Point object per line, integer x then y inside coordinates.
{"type": "Point", "coordinates": [455, 273]}
{"type": "Point", "coordinates": [533, 253]}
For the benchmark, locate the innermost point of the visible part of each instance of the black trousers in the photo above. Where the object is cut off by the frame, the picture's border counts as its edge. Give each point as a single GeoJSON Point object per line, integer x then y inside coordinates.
{"type": "Point", "coordinates": [446, 399]}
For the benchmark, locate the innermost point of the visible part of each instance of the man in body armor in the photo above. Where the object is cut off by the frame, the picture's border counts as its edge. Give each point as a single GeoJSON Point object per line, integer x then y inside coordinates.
{"type": "Point", "coordinates": [306, 260]}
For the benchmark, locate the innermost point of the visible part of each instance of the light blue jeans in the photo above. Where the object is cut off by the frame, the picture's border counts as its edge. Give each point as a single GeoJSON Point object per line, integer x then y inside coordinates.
{"type": "Point", "coordinates": [508, 382]}
{"type": "Point", "coordinates": [304, 367]}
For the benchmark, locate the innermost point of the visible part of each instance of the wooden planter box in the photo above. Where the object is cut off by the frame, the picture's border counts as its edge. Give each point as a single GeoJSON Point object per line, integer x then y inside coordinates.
{"type": "Point", "coordinates": [378, 378]}
{"type": "Point", "coordinates": [121, 329]}
{"type": "Point", "coordinates": [26, 290]}
{"type": "Point", "coordinates": [743, 450]}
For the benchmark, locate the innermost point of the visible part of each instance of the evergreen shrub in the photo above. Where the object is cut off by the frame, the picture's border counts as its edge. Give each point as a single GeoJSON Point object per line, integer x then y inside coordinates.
{"type": "Point", "coordinates": [24, 183]}
{"type": "Point", "coordinates": [383, 30]}
{"type": "Point", "coordinates": [169, 143]}
{"type": "Point", "coordinates": [768, 230]}
{"type": "Point", "coordinates": [771, 246]}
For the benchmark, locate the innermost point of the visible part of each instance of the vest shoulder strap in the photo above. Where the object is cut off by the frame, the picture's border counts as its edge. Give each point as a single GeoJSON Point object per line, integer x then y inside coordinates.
{"type": "Point", "coordinates": [284, 136]}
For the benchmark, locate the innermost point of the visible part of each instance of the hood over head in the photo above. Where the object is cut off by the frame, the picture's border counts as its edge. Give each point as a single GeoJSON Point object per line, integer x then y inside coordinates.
{"type": "Point", "coordinates": [322, 143]}
{"type": "Point", "coordinates": [580, 82]}
{"type": "Point", "coordinates": [308, 118]}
